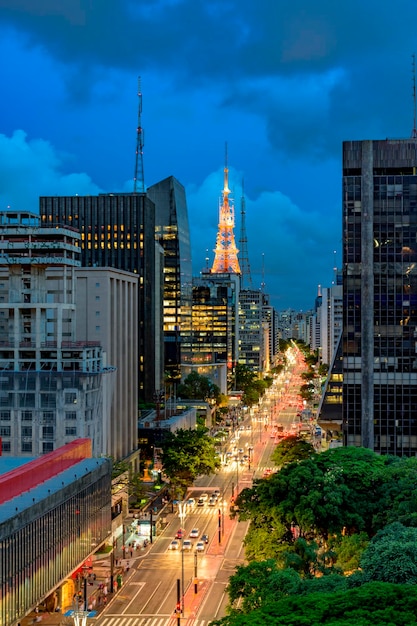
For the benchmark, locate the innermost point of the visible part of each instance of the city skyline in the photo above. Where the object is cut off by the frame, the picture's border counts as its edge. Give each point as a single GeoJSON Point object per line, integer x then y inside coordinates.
{"type": "Point", "coordinates": [282, 85]}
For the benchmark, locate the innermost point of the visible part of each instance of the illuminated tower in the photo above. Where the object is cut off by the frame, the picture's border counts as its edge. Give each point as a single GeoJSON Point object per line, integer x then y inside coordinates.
{"type": "Point", "coordinates": [225, 259]}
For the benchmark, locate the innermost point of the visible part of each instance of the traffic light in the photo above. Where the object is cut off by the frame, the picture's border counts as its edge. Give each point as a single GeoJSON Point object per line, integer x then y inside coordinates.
{"type": "Point", "coordinates": [178, 608]}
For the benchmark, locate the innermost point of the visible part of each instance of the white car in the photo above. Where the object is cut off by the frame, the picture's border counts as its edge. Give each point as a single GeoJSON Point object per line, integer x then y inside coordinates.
{"type": "Point", "coordinates": [204, 496]}
{"type": "Point", "coordinates": [194, 533]}
{"type": "Point", "coordinates": [187, 545]}
{"type": "Point", "coordinates": [200, 546]}
{"type": "Point", "coordinates": [174, 545]}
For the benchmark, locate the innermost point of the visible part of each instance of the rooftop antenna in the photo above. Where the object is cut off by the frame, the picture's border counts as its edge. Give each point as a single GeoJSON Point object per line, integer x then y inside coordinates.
{"type": "Point", "coordinates": [414, 132]}
{"type": "Point", "coordinates": [139, 178]}
{"type": "Point", "coordinates": [243, 245]}
{"type": "Point", "coordinates": [263, 273]}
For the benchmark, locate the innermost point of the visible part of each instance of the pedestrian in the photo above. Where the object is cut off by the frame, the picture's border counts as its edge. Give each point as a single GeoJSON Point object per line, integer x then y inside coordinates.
{"type": "Point", "coordinates": [131, 553]}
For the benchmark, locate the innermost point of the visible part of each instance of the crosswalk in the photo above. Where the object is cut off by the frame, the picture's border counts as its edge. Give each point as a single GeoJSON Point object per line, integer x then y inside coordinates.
{"type": "Point", "coordinates": [148, 620]}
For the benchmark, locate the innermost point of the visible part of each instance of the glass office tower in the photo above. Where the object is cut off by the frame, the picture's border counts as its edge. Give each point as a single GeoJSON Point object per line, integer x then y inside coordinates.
{"type": "Point", "coordinates": [173, 233]}
{"type": "Point", "coordinates": [380, 295]}
{"type": "Point", "coordinates": [118, 230]}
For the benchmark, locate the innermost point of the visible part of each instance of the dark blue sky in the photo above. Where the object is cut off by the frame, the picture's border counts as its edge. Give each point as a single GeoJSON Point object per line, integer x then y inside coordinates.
{"type": "Point", "coordinates": [283, 83]}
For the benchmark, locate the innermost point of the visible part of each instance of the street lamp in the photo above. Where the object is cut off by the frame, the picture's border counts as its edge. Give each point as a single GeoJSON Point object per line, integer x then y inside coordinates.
{"type": "Point", "coordinates": [182, 513]}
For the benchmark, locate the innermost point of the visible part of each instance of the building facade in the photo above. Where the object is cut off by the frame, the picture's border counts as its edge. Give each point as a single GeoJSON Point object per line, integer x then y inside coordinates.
{"type": "Point", "coordinates": [107, 312]}
{"type": "Point", "coordinates": [173, 233]}
{"type": "Point", "coordinates": [52, 386]}
{"type": "Point", "coordinates": [380, 295]}
{"type": "Point", "coordinates": [55, 511]}
{"type": "Point", "coordinates": [215, 321]}
{"type": "Point", "coordinates": [118, 230]}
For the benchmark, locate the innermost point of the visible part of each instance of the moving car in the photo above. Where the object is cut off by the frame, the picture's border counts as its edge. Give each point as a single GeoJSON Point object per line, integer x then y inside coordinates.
{"type": "Point", "coordinates": [200, 502]}
{"type": "Point", "coordinates": [187, 545]}
{"type": "Point", "coordinates": [212, 502]}
{"type": "Point", "coordinates": [180, 534]}
{"type": "Point", "coordinates": [205, 538]}
{"type": "Point", "coordinates": [174, 545]}
{"type": "Point", "coordinates": [204, 496]}
{"type": "Point", "coordinates": [199, 546]}
{"type": "Point", "coordinates": [194, 533]}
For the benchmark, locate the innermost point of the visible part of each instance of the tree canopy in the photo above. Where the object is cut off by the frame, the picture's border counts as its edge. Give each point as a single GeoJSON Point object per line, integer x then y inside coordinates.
{"type": "Point", "coordinates": [372, 604]}
{"type": "Point", "coordinates": [196, 387]}
{"type": "Point", "coordinates": [187, 454]}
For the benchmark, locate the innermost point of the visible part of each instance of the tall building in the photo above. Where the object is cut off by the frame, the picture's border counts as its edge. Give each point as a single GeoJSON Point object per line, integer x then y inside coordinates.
{"type": "Point", "coordinates": [331, 321]}
{"type": "Point", "coordinates": [118, 230]}
{"type": "Point", "coordinates": [173, 233]}
{"type": "Point", "coordinates": [251, 329]}
{"type": "Point", "coordinates": [52, 386]}
{"type": "Point", "coordinates": [380, 295]}
{"type": "Point", "coordinates": [107, 312]}
{"type": "Point", "coordinates": [215, 319]}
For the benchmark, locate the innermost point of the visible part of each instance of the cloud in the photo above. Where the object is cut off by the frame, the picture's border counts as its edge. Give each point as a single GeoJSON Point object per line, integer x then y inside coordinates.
{"type": "Point", "coordinates": [286, 245]}
{"type": "Point", "coordinates": [33, 168]}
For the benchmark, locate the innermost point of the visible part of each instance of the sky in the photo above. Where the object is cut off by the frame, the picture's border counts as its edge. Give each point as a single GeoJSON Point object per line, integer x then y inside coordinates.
{"type": "Point", "coordinates": [281, 83]}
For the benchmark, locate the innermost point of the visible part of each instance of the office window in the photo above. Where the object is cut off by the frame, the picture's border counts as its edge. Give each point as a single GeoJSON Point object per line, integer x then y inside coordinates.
{"type": "Point", "coordinates": [70, 397]}
{"type": "Point", "coordinates": [5, 416]}
{"type": "Point", "coordinates": [70, 431]}
{"type": "Point", "coordinates": [26, 446]}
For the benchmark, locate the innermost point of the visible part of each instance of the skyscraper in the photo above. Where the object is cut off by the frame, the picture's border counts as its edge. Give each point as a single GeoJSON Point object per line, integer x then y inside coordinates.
{"type": "Point", "coordinates": [53, 386]}
{"type": "Point", "coordinates": [118, 230]}
{"type": "Point", "coordinates": [380, 295]}
{"type": "Point", "coordinates": [173, 233]}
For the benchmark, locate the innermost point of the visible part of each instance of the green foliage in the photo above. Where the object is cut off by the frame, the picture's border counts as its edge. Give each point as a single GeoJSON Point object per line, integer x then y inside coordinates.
{"type": "Point", "coordinates": [261, 582]}
{"type": "Point", "coordinates": [391, 556]}
{"type": "Point", "coordinates": [290, 449]}
{"type": "Point", "coordinates": [187, 454]}
{"type": "Point", "coordinates": [196, 387]}
{"type": "Point", "coordinates": [348, 550]}
{"type": "Point", "coordinates": [372, 604]}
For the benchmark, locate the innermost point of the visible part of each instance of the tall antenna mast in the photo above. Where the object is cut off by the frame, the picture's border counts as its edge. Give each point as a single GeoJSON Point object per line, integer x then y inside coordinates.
{"type": "Point", "coordinates": [243, 245]}
{"type": "Point", "coordinates": [263, 273]}
{"type": "Point", "coordinates": [139, 178]}
{"type": "Point", "coordinates": [414, 131]}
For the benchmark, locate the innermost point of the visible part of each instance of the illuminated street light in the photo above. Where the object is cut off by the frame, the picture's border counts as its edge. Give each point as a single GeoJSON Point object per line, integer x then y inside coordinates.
{"type": "Point", "coordinates": [182, 514]}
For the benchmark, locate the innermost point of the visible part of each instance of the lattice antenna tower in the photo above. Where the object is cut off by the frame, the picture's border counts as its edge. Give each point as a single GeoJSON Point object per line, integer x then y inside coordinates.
{"type": "Point", "coordinates": [243, 245]}
{"type": "Point", "coordinates": [414, 131]}
{"type": "Point", "coordinates": [225, 257]}
{"type": "Point", "coordinates": [139, 178]}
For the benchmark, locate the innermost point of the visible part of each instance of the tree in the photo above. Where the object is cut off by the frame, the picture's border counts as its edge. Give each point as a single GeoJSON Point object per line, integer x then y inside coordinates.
{"type": "Point", "coordinates": [187, 454]}
{"type": "Point", "coordinates": [196, 387]}
{"type": "Point", "coordinates": [292, 448]}
{"type": "Point", "coordinates": [372, 604]}
{"type": "Point", "coordinates": [391, 556]}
